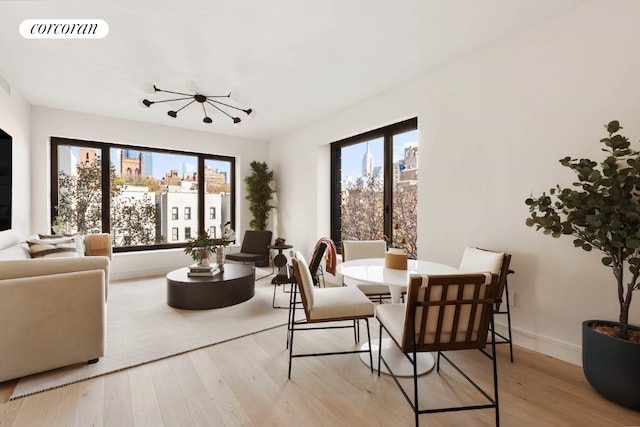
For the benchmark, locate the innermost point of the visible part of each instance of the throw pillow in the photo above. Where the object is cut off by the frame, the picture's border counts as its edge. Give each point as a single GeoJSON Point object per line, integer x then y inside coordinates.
{"type": "Point", "coordinates": [79, 241]}
{"type": "Point", "coordinates": [50, 248]}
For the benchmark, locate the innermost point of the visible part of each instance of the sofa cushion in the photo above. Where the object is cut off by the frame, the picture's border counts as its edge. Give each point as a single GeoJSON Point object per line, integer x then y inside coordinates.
{"type": "Point", "coordinates": [49, 248]}
{"type": "Point", "coordinates": [19, 251]}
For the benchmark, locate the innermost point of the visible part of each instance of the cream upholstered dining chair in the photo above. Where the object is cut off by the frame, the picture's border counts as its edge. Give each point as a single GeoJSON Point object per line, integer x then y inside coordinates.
{"type": "Point", "coordinates": [314, 270]}
{"type": "Point", "coordinates": [475, 260]}
{"type": "Point", "coordinates": [360, 249]}
{"type": "Point", "coordinates": [443, 313]}
{"type": "Point", "coordinates": [328, 305]}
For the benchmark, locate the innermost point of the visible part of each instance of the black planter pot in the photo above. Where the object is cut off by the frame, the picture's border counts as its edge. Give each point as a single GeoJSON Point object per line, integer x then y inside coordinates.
{"type": "Point", "coordinates": [611, 365]}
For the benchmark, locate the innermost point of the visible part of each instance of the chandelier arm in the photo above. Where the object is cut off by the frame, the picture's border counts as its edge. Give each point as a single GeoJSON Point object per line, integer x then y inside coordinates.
{"type": "Point", "coordinates": [219, 96]}
{"type": "Point", "coordinates": [204, 109]}
{"type": "Point", "coordinates": [227, 105]}
{"type": "Point", "coordinates": [169, 91]}
{"type": "Point", "coordinates": [219, 109]}
{"type": "Point", "coordinates": [174, 99]}
{"type": "Point", "coordinates": [184, 106]}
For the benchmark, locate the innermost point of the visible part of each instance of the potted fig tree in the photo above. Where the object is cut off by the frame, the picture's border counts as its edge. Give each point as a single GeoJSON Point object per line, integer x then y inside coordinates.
{"type": "Point", "coordinates": [602, 211]}
{"type": "Point", "coordinates": [259, 194]}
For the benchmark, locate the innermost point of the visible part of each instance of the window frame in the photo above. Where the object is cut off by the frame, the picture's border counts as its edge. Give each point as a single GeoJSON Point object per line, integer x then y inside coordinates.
{"type": "Point", "coordinates": [105, 155]}
{"type": "Point", "coordinates": [387, 133]}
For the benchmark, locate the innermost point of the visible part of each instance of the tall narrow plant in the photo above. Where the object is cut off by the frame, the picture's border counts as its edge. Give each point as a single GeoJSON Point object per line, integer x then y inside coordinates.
{"type": "Point", "coordinates": [601, 211]}
{"type": "Point", "coordinates": [259, 194]}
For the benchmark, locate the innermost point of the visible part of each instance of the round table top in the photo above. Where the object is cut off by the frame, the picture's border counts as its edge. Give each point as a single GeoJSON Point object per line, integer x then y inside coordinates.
{"type": "Point", "coordinates": [372, 270]}
{"type": "Point", "coordinates": [231, 272]}
{"type": "Point", "coordinates": [280, 247]}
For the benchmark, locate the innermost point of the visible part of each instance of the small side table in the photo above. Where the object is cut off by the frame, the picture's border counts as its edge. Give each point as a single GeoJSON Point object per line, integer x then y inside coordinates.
{"type": "Point", "coordinates": [280, 260]}
{"type": "Point", "coordinates": [282, 276]}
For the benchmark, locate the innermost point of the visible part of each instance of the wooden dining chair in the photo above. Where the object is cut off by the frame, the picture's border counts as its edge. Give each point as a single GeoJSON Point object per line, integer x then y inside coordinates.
{"type": "Point", "coordinates": [476, 260]}
{"type": "Point", "coordinates": [327, 306]}
{"type": "Point", "coordinates": [360, 249]}
{"type": "Point", "coordinates": [443, 313]}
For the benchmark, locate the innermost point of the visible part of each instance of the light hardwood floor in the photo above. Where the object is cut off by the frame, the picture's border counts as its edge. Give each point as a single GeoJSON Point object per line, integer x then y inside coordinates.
{"type": "Point", "coordinates": [243, 382]}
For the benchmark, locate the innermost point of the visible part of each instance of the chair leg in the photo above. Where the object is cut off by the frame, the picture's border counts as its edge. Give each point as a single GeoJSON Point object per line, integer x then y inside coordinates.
{"type": "Point", "coordinates": [379, 348]}
{"type": "Point", "coordinates": [495, 371]}
{"type": "Point", "coordinates": [290, 341]}
{"type": "Point", "coordinates": [273, 301]}
{"type": "Point", "coordinates": [369, 341]}
{"type": "Point", "coordinates": [292, 306]}
{"type": "Point", "coordinates": [506, 293]}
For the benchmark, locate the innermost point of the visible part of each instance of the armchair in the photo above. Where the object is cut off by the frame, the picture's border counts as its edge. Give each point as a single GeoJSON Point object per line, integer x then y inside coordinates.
{"type": "Point", "coordinates": [443, 313]}
{"type": "Point", "coordinates": [476, 260]}
{"type": "Point", "coordinates": [255, 248]}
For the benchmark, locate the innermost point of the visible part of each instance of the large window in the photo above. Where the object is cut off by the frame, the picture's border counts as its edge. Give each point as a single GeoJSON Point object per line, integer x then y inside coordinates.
{"type": "Point", "coordinates": [147, 189]}
{"type": "Point", "coordinates": [374, 186]}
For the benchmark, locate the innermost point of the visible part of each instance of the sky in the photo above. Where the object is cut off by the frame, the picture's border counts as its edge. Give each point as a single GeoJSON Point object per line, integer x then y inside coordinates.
{"type": "Point", "coordinates": [353, 154]}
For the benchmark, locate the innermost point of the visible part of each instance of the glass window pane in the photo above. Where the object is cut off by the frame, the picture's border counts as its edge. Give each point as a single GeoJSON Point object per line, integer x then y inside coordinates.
{"type": "Point", "coordinates": [405, 191]}
{"type": "Point", "coordinates": [362, 190]}
{"type": "Point", "coordinates": [148, 191]}
{"type": "Point", "coordinates": [217, 198]}
{"type": "Point", "coordinates": [79, 204]}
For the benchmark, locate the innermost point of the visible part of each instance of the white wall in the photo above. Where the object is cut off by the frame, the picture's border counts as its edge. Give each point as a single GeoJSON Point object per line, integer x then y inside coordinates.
{"type": "Point", "coordinates": [14, 120]}
{"type": "Point", "coordinates": [492, 126]}
{"type": "Point", "coordinates": [48, 122]}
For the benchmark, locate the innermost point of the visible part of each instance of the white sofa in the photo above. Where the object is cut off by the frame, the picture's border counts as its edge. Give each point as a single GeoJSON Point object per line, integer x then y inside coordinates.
{"type": "Point", "coordinates": [52, 310]}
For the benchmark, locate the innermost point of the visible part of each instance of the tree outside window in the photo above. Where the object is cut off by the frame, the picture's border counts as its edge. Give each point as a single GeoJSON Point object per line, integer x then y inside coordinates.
{"type": "Point", "coordinates": [146, 190]}
{"type": "Point", "coordinates": [374, 186]}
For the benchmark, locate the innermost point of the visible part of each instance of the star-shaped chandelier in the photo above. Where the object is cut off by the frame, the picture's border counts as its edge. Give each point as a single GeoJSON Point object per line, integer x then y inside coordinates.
{"type": "Point", "coordinates": [201, 99]}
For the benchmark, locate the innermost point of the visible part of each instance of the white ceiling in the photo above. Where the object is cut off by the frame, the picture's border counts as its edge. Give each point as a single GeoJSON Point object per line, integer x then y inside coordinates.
{"type": "Point", "coordinates": [292, 61]}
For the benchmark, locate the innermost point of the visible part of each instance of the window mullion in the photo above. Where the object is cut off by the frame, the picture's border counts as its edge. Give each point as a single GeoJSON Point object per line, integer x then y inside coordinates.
{"type": "Point", "coordinates": [106, 189]}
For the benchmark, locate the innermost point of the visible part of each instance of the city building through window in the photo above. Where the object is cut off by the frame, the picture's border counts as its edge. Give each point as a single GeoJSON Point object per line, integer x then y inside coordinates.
{"type": "Point", "coordinates": [146, 188]}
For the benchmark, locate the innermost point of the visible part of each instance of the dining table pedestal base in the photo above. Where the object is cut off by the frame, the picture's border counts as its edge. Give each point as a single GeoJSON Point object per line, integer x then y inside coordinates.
{"type": "Point", "coordinates": [396, 359]}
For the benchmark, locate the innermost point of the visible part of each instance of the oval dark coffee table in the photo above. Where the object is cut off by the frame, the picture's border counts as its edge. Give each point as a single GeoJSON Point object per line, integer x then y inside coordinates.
{"type": "Point", "coordinates": [233, 286]}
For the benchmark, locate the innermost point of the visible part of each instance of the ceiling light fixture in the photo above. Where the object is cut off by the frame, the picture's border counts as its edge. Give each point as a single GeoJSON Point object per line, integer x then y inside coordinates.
{"type": "Point", "coordinates": [202, 100]}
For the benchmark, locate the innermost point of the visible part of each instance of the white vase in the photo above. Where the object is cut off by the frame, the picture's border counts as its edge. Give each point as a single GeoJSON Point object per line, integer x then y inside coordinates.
{"type": "Point", "coordinates": [220, 258]}
{"type": "Point", "coordinates": [204, 262]}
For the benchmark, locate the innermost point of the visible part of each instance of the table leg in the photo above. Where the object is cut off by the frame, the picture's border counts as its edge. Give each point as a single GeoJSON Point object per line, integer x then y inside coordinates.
{"type": "Point", "coordinates": [396, 359]}
{"type": "Point", "coordinates": [396, 294]}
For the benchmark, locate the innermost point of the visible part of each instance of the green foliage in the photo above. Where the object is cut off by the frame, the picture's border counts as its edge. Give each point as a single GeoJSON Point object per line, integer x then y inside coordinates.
{"type": "Point", "coordinates": [259, 194]}
{"type": "Point", "coordinates": [203, 246]}
{"type": "Point", "coordinates": [79, 209]}
{"type": "Point", "coordinates": [80, 199]}
{"type": "Point", "coordinates": [601, 211]}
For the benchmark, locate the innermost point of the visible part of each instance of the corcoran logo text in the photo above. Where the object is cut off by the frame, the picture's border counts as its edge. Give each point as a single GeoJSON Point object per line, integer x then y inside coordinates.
{"type": "Point", "coordinates": [64, 28]}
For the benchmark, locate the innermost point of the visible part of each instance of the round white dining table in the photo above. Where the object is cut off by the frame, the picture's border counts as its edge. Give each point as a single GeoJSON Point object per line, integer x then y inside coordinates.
{"type": "Point", "coordinates": [373, 270]}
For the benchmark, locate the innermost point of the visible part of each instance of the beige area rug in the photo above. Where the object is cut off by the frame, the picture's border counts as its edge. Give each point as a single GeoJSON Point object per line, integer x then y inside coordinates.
{"type": "Point", "coordinates": [141, 328]}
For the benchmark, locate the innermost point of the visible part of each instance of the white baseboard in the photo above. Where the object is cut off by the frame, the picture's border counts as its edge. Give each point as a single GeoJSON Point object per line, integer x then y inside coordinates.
{"type": "Point", "coordinates": [562, 350]}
